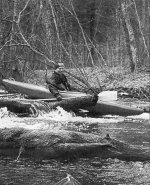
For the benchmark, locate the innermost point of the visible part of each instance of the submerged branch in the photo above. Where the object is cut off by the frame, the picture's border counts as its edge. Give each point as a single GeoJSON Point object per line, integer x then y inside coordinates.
{"type": "Point", "coordinates": [47, 144]}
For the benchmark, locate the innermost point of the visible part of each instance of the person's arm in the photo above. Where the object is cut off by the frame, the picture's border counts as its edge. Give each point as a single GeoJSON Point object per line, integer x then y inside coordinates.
{"type": "Point", "coordinates": [55, 81]}
{"type": "Point", "coordinates": [65, 83]}
{"type": "Point", "coordinates": [70, 87]}
{"type": "Point", "coordinates": [52, 80]}
{"type": "Point", "coordinates": [74, 89]}
{"type": "Point", "coordinates": [61, 87]}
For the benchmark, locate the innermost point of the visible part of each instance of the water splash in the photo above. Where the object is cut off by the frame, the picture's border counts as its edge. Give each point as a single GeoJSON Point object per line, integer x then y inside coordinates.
{"type": "Point", "coordinates": [58, 115]}
{"type": "Point", "coordinates": [4, 113]}
{"type": "Point", "coordinates": [55, 120]}
{"type": "Point", "coordinates": [145, 116]}
{"type": "Point", "coordinates": [61, 115]}
{"type": "Point", "coordinates": [60, 119]}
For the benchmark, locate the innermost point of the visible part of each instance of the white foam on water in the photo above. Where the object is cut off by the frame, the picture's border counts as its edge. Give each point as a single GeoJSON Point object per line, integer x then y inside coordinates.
{"type": "Point", "coordinates": [55, 120]}
{"type": "Point", "coordinates": [18, 122]}
{"type": "Point", "coordinates": [10, 120]}
{"type": "Point", "coordinates": [61, 115]}
{"type": "Point", "coordinates": [145, 116]}
{"type": "Point", "coordinates": [4, 113]}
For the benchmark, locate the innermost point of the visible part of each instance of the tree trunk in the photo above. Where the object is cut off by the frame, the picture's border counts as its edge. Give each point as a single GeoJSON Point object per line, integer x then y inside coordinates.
{"type": "Point", "coordinates": [149, 27]}
{"type": "Point", "coordinates": [25, 107]}
{"type": "Point", "coordinates": [92, 27]}
{"type": "Point", "coordinates": [138, 29]}
{"type": "Point", "coordinates": [48, 144]}
{"type": "Point", "coordinates": [129, 36]}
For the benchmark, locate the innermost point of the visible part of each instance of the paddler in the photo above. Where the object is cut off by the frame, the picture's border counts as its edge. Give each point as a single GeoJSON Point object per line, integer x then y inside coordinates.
{"type": "Point", "coordinates": [58, 81]}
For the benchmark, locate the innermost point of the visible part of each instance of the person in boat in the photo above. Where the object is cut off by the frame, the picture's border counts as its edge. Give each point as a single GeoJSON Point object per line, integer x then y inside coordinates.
{"type": "Point", "coordinates": [58, 81]}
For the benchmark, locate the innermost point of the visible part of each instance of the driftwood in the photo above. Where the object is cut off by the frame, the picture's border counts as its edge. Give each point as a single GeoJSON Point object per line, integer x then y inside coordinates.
{"type": "Point", "coordinates": [30, 107]}
{"type": "Point", "coordinates": [47, 144]}
{"type": "Point", "coordinates": [126, 151]}
{"type": "Point", "coordinates": [18, 142]}
{"type": "Point", "coordinates": [76, 103]}
{"type": "Point", "coordinates": [16, 106]}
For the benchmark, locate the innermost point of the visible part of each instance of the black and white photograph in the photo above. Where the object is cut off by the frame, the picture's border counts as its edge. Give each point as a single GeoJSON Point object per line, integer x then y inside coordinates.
{"type": "Point", "coordinates": [74, 92]}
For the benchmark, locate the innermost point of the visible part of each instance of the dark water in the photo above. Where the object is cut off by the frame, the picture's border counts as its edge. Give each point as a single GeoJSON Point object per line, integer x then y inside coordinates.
{"type": "Point", "coordinates": [87, 171]}
{"type": "Point", "coordinates": [93, 171]}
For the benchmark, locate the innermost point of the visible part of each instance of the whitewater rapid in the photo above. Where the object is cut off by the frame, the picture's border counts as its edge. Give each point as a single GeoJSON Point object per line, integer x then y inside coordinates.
{"type": "Point", "coordinates": [58, 119]}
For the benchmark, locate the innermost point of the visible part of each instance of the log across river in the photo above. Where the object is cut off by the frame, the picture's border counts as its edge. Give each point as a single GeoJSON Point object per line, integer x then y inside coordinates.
{"type": "Point", "coordinates": [27, 107]}
{"type": "Point", "coordinates": [65, 144]}
{"type": "Point", "coordinates": [90, 103]}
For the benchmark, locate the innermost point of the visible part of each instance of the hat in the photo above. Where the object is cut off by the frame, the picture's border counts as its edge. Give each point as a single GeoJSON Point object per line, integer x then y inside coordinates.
{"type": "Point", "coordinates": [58, 65]}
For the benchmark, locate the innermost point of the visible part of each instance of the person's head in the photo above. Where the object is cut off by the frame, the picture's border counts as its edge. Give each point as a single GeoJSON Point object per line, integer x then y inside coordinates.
{"type": "Point", "coordinates": [59, 67]}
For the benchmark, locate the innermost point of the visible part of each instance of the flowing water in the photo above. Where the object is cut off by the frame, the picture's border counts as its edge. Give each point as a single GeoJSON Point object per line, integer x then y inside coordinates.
{"type": "Point", "coordinates": [134, 130]}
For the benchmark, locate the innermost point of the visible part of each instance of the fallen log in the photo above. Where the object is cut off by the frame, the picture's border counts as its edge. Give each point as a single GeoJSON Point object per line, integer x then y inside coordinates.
{"type": "Point", "coordinates": [76, 103]}
{"type": "Point", "coordinates": [30, 107]}
{"type": "Point", "coordinates": [124, 151]}
{"type": "Point", "coordinates": [18, 142]}
{"type": "Point", "coordinates": [47, 144]}
{"type": "Point", "coordinates": [19, 107]}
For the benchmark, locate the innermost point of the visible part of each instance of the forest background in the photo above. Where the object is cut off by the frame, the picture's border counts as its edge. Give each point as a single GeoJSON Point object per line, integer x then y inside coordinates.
{"type": "Point", "coordinates": [104, 43]}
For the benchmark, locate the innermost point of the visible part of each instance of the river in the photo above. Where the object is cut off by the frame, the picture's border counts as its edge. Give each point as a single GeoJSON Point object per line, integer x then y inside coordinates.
{"type": "Point", "coordinates": [134, 130]}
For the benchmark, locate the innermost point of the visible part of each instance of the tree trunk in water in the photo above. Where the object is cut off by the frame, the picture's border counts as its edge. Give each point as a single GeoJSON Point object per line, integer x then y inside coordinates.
{"type": "Point", "coordinates": [25, 107]}
{"type": "Point", "coordinates": [129, 36]}
{"type": "Point", "coordinates": [48, 144]}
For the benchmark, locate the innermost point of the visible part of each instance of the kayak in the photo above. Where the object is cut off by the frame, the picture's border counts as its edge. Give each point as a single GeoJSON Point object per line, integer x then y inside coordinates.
{"type": "Point", "coordinates": [42, 93]}
{"type": "Point", "coordinates": [35, 91]}
{"type": "Point", "coordinates": [113, 108]}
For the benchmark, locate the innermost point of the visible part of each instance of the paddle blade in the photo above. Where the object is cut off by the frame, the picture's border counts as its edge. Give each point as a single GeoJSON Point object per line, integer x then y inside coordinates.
{"type": "Point", "coordinates": [108, 95]}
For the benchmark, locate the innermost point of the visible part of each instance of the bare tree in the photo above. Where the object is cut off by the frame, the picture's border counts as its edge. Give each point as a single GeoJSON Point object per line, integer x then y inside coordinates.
{"type": "Point", "coordinates": [129, 36]}
{"type": "Point", "coordinates": [17, 37]}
